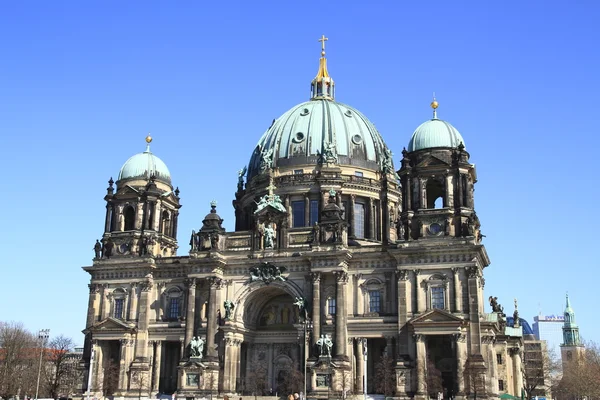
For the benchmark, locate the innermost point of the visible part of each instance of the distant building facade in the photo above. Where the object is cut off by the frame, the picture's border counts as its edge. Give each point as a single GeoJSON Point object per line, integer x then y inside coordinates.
{"type": "Point", "coordinates": [549, 328]}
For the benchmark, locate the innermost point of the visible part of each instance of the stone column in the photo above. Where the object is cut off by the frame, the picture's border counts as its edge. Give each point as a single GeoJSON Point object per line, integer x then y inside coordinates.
{"type": "Point", "coordinates": [306, 211]}
{"type": "Point", "coordinates": [141, 347]}
{"type": "Point", "coordinates": [457, 291]}
{"type": "Point", "coordinates": [211, 323]}
{"type": "Point", "coordinates": [461, 358]}
{"type": "Point", "coordinates": [133, 301]}
{"type": "Point", "coordinates": [93, 304]}
{"type": "Point", "coordinates": [109, 217]}
{"type": "Point", "coordinates": [341, 332]}
{"type": "Point", "coordinates": [351, 219]}
{"type": "Point", "coordinates": [316, 311]}
{"type": "Point", "coordinates": [421, 363]}
{"type": "Point", "coordinates": [419, 307]}
{"type": "Point", "coordinates": [360, 365]}
{"type": "Point", "coordinates": [371, 219]}
{"type": "Point", "coordinates": [516, 361]}
{"type": "Point", "coordinates": [191, 310]}
{"type": "Point", "coordinates": [105, 302]}
{"type": "Point", "coordinates": [156, 366]}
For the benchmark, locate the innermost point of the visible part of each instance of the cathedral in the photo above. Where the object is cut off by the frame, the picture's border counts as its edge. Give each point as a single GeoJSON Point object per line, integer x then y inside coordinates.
{"type": "Point", "coordinates": [345, 275]}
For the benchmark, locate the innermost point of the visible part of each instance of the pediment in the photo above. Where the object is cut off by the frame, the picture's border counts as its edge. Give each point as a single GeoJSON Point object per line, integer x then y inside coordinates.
{"type": "Point", "coordinates": [436, 317]}
{"type": "Point", "coordinates": [433, 161]}
{"type": "Point", "coordinates": [111, 324]}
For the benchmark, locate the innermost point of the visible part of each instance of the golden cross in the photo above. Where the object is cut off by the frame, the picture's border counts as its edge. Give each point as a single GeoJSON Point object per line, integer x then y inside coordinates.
{"type": "Point", "coordinates": [323, 40]}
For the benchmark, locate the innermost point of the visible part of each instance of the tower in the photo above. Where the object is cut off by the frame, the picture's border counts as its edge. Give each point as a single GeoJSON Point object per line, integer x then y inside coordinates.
{"type": "Point", "coordinates": [571, 349]}
{"type": "Point", "coordinates": [141, 216]}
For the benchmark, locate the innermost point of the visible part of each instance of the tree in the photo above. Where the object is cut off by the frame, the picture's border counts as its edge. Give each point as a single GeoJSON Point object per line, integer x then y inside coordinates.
{"type": "Point", "coordinates": [385, 375]}
{"type": "Point", "coordinates": [61, 366]}
{"type": "Point", "coordinates": [433, 380]}
{"type": "Point", "coordinates": [540, 368]}
{"type": "Point", "coordinates": [581, 376]}
{"type": "Point", "coordinates": [18, 356]}
{"type": "Point", "coordinates": [474, 376]}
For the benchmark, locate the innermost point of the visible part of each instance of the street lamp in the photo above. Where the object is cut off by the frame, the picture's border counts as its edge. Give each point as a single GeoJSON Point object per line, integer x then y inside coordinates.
{"type": "Point", "coordinates": [43, 335]}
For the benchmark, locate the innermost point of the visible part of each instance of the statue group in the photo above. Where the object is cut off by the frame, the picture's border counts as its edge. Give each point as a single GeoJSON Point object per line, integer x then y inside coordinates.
{"type": "Point", "coordinates": [196, 347]}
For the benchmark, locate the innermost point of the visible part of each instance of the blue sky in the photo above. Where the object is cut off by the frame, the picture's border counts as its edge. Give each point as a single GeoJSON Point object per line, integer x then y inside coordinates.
{"type": "Point", "coordinates": [82, 83]}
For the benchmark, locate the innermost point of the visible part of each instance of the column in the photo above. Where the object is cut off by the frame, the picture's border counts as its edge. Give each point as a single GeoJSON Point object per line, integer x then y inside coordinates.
{"type": "Point", "coordinates": [191, 310]}
{"type": "Point", "coordinates": [316, 311]}
{"type": "Point", "coordinates": [93, 304]}
{"type": "Point", "coordinates": [109, 216]}
{"type": "Point", "coordinates": [421, 363]}
{"type": "Point", "coordinates": [516, 358]}
{"type": "Point", "coordinates": [141, 348]}
{"type": "Point", "coordinates": [211, 324]}
{"type": "Point", "coordinates": [341, 279]}
{"type": "Point", "coordinates": [371, 219]}
{"type": "Point", "coordinates": [133, 301]}
{"type": "Point", "coordinates": [418, 306]}
{"type": "Point", "coordinates": [461, 358]}
{"type": "Point", "coordinates": [105, 302]}
{"type": "Point", "coordinates": [457, 290]}
{"type": "Point", "coordinates": [360, 365]}
{"type": "Point", "coordinates": [306, 211]}
{"type": "Point", "coordinates": [351, 219]}
{"type": "Point", "coordinates": [156, 366]}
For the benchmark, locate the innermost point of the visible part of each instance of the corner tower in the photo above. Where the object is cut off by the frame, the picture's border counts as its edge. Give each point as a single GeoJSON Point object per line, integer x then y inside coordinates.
{"type": "Point", "coordinates": [141, 215]}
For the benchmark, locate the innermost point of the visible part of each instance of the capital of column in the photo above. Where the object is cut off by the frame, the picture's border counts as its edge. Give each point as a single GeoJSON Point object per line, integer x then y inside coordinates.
{"type": "Point", "coordinates": [402, 274]}
{"type": "Point", "coordinates": [341, 277]}
{"type": "Point", "coordinates": [315, 276]}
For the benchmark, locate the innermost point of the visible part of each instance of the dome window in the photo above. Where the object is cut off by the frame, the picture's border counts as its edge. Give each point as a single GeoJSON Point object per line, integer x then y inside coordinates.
{"type": "Point", "coordinates": [299, 137]}
{"type": "Point", "coordinates": [357, 139]}
{"type": "Point", "coordinates": [304, 112]}
{"type": "Point", "coordinates": [348, 113]}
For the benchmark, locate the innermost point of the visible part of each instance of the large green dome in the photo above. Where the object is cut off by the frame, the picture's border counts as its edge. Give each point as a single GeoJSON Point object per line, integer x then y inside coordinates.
{"type": "Point", "coordinates": [435, 133]}
{"type": "Point", "coordinates": [143, 166]}
{"type": "Point", "coordinates": [301, 134]}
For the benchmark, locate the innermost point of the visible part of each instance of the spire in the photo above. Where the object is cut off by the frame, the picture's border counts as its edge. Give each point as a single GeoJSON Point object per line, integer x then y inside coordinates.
{"type": "Point", "coordinates": [322, 87]}
{"type": "Point", "coordinates": [434, 105]}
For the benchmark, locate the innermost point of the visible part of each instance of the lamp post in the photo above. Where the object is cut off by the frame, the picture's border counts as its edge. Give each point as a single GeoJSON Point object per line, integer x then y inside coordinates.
{"type": "Point", "coordinates": [364, 343]}
{"type": "Point", "coordinates": [43, 335]}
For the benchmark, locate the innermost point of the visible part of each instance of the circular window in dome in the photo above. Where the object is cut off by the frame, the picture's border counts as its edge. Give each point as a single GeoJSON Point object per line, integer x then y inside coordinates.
{"type": "Point", "coordinates": [299, 137]}
{"type": "Point", "coordinates": [357, 139]}
{"type": "Point", "coordinates": [304, 112]}
{"type": "Point", "coordinates": [348, 113]}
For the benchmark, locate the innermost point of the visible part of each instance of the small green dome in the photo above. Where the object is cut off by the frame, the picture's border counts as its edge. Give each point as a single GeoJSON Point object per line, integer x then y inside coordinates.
{"type": "Point", "coordinates": [435, 133]}
{"type": "Point", "coordinates": [143, 166]}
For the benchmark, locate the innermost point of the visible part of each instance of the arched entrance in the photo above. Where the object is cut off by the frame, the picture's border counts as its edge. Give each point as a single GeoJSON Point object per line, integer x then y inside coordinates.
{"type": "Point", "coordinates": [271, 353]}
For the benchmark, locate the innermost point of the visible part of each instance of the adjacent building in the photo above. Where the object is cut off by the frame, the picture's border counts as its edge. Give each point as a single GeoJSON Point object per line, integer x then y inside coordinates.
{"type": "Point", "coordinates": [338, 261]}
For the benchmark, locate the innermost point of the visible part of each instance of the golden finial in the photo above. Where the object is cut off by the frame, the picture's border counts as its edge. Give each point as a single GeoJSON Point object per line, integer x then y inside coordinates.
{"type": "Point", "coordinates": [434, 105]}
{"type": "Point", "coordinates": [148, 139]}
{"type": "Point", "coordinates": [323, 40]}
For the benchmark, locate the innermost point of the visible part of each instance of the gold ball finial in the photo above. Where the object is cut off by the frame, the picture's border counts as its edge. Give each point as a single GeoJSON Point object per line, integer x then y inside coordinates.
{"type": "Point", "coordinates": [434, 104]}
{"type": "Point", "coordinates": [148, 139]}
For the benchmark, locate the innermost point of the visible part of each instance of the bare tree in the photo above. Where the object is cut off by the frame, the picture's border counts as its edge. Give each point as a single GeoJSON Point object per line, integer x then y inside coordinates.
{"type": "Point", "coordinates": [139, 379]}
{"type": "Point", "coordinates": [60, 365]}
{"type": "Point", "coordinates": [385, 375]}
{"type": "Point", "coordinates": [581, 376]}
{"type": "Point", "coordinates": [433, 380]}
{"type": "Point", "coordinates": [18, 356]}
{"type": "Point", "coordinates": [474, 377]}
{"type": "Point", "coordinates": [540, 367]}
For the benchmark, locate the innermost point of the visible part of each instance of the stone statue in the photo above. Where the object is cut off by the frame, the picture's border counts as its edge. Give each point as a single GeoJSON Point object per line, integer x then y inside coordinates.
{"type": "Point", "coordinates": [98, 249]}
{"type": "Point", "coordinates": [196, 347]}
{"type": "Point", "coordinates": [496, 307]}
{"type": "Point", "coordinates": [269, 236]}
{"type": "Point", "coordinates": [325, 344]}
{"type": "Point", "coordinates": [229, 306]}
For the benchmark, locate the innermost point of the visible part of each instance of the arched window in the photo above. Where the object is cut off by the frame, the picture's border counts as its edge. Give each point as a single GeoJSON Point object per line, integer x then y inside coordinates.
{"type": "Point", "coordinates": [436, 194]}
{"type": "Point", "coordinates": [129, 213]}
